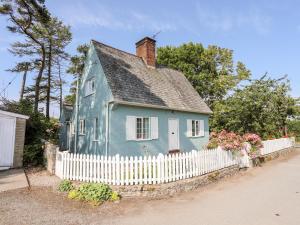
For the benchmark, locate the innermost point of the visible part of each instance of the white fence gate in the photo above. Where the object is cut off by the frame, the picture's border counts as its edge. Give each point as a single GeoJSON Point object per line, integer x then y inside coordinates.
{"type": "Point", "coordinates": [119, 170]}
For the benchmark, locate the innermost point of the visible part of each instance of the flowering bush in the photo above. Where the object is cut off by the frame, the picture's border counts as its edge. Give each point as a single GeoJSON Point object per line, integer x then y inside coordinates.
{"type": "Point", "coordinates": [226, 140]}
{"type": "Point", "coordinates": [256, 143]}
{"type": "Point", "coordinates": [229, 141]}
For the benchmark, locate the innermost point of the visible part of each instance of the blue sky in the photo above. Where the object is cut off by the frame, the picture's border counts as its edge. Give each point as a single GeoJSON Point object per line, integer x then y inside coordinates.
{"type": "Point", "coordinates": [265, 35]}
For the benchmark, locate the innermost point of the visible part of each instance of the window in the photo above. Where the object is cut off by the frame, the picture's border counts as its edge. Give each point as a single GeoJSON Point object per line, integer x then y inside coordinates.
{"type": "Point", "coordinates": [195, 128]}
{"type": "Point", "coordinates": [72, 128]}
{"type": "Point", "coordinates": [82, 127]}
{"type": "Point", "coordinates": [90, 87]}
{"type": "Point", "coordinates": [96, 129]}
{"type": "Point", "coordinates": [142, 128]}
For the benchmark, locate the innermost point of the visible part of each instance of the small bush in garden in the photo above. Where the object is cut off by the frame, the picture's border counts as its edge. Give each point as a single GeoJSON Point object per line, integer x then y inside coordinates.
{"type": "Point", "coordinates": [73, 194]}
{"type": "Point", "coordinates": [256, 143]}
{"type": "Point", "coordinates": [114, 196]}
{"type": "Point", "coordinates": [213, 141]}
{"type": "Point", "coordinates": [65, 186]}
{"type": "Point", "coordinates": [96, 193]}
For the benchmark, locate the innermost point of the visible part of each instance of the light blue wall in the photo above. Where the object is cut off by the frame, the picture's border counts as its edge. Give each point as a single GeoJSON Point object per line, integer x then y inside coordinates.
{"type": "Point", "coordinates": [93, 106]}
{"type": "Point", "coordinates": [119, 145]}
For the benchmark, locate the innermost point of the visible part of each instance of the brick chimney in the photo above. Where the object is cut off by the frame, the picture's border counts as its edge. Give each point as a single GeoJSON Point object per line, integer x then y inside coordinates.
{"type": "Point", "coordinates": [145, 48]}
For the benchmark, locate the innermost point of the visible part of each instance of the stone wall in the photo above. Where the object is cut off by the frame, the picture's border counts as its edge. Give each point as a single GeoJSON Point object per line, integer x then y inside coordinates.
{"type": "Point", "coordinates": [170, 189]}
{"type": "Point", "coordinates": [19, 142]}
{"type": "Point", "coordinates": [277, 154]}
{"type": "Point", "coordinates": [50, 156]}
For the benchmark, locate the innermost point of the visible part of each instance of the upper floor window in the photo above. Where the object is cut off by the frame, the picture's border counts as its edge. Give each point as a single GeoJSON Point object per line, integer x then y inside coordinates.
{"type": "Point", "coordinates": [90, 86]}
{"type": "Point", "coordinates": [82, 127]}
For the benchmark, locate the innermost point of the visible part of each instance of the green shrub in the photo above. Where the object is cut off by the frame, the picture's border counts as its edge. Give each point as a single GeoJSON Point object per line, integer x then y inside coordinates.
{"type": "Point", "coordinates": [96, 193]}
{"type": "Point", "coordinates": [114, 196]}
{"type": "Point", "coordinates": [33, 154]}
{"type": "Point", "coordinates": [73, 194]}
{"type": "Point", "coordinates": [65, 186]}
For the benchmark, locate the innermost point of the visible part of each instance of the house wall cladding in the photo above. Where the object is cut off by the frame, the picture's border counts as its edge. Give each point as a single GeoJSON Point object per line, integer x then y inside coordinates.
{"type": "Point", "coordinates": [19, 142]}
{"type": "Point", "coordinates": [117, 132]}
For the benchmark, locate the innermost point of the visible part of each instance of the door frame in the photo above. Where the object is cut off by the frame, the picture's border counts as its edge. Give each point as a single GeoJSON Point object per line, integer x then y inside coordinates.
{"type": "Point", "coordinates": [178, 142]}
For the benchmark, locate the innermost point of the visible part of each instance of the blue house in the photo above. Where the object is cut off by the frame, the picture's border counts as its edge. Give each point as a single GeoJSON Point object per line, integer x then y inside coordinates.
{"type": "Point", "coordinates": [127, 104]}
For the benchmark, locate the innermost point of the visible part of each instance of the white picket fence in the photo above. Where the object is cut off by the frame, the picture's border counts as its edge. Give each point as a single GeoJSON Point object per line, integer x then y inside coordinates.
{"type": "Point", "coordinates": [275, 145]}
{"type": "Point", "coordinates": [119, 170]}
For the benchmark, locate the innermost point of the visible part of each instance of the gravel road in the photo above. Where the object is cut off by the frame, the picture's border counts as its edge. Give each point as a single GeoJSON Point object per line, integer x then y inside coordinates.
{"type": "Point", "coordinates": [269, 195]}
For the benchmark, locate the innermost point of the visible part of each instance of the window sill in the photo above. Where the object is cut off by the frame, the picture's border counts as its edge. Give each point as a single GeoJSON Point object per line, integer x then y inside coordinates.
{"type": "Point", "coordinates": [96, 140]}
{"type": "Point", "coordinates": [81, 134]}
{"type": "Point", "coordinates": [89, 94]}
{"type": "Point", "coordinates": [139, 140]}
{"type": "Point", "coordinates": [197, 136]}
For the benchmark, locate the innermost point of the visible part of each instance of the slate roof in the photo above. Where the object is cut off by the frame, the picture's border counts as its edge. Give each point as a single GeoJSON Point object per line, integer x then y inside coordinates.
{"type": "Point", "coordinates": [133, 82]}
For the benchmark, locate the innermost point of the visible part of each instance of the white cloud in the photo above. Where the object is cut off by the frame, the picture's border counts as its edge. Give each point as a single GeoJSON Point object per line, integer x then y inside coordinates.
{"type": "Point", "coordinates": [99, 15]}
{"type": "Point", "coordinates": [227, 20]}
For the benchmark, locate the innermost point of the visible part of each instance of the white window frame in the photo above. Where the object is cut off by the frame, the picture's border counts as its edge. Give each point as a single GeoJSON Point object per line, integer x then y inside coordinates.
{"type": "Point", "coordinates": [194, 132]}
{"type": "Point", "coordinates": [96, 127]}
{"type": "Point", "coordinates": [82, 127]}
{"type": "Point", "coordinates": [142, 128]}
{"type": "Point", "coordinates": [72, 128]}
{"type": "Point", "coordinates": [90, 88]}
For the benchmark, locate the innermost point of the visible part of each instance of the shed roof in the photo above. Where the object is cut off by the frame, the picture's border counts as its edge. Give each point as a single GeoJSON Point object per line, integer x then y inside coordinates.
{"type": "Point", "coordinates": [11, 114]}
{"type": "Point", "coordinates": [132, 82]}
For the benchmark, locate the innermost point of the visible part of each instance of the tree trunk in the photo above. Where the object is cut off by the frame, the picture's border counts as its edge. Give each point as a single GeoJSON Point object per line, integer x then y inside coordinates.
{"type": "Point", "coordinates": [60, 90]}
{"type": "Point", "coordinates": [38, 81]}
{"type": "Point", "coordinates": [23, 84]}
{"type": "Point", "coordinates": [49, 81]}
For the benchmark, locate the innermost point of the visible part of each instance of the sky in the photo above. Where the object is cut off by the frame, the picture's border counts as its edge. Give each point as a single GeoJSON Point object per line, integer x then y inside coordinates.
{"type": "Point", "coordinates": [264, 35]}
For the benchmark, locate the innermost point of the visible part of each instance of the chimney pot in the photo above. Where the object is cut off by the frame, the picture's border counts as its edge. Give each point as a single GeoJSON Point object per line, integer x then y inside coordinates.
{"type": "Point", "coordinates": [145, 49]}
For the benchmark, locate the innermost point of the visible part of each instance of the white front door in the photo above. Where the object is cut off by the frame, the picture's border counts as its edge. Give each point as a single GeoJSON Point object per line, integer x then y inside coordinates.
{"type": "Point", "coordinates": [173, 134]}
{"type": "Point", "coordinates": [7, 141]}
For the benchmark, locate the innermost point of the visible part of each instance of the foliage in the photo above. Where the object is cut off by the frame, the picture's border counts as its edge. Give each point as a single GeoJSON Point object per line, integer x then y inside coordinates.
{"type": "Point", "coordinates": [114, 196]}
{"type": "Point", "coordinates": [43, 47]}
{"type": "Point", "coordinates": [76, 68]}
{"type": "Point", "coordinates": [294, 128]}
{"type": "Point", "coordinates": [95, 193]}
{"type": "Point", "coordinates": [228, 141]}
{"type": "Point", "coordinates": [262, 107]}
{"type": "Point", "coordinates": [73, 194]}
{"type": "Point", "coordinates": [33, 154]}
{"type": "Point", "coordinates": [255, 144]}
{"type": "Point", "coordinates": [248, 143]}
{"type": "Point", "coordinates": [210, 70]}
{"type": "Point", "coordinates": [38, 128]}
{"type": "Point", "coordinates": [65, 186]}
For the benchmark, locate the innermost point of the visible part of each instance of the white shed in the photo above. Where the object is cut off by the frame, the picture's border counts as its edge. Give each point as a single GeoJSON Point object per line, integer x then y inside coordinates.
{"type": "Point", "coordinates": [12, 137]}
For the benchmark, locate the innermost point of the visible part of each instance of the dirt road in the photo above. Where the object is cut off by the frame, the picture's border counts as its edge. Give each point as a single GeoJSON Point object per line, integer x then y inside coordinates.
{"type": "Point", "coordinates": [262, 196]}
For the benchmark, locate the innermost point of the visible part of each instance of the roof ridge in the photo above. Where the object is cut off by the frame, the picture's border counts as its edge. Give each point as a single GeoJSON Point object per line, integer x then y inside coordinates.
{"type": "Point", "coordinates": [101, 43]}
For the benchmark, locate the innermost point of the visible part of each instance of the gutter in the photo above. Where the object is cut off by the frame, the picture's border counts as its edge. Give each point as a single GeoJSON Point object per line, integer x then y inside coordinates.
{"type": "Point", "coordinates": [76, 115]}
{"type": "Point", "coordinates": [159, 107]}
{"type": "Point", "coordinates": [107, 128]}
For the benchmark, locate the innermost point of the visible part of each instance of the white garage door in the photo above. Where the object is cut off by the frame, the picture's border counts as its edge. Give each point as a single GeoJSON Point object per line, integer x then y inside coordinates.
{"type": "Point", "coordinates": [7, 141]}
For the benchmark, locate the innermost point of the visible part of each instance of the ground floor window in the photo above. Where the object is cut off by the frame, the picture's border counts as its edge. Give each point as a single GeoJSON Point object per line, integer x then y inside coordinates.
{"type": "Point", "coordinates": [196, 128]}
{"type": "Point", "coordinates": [96, 129]}
{"type": "Point", "coordinates": [142, 128]}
